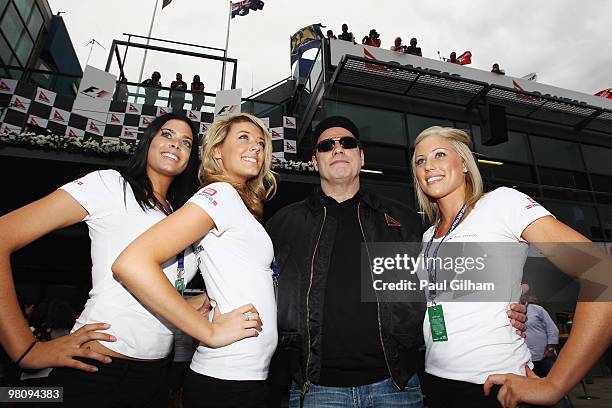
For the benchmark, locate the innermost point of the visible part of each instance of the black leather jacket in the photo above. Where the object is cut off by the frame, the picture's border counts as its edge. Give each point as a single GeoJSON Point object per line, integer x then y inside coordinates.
{"type": "Point", "coordinates": [303, 238]}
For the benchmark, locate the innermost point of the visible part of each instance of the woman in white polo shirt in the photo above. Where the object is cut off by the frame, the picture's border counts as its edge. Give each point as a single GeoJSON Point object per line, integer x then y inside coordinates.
{"type": "Point", "coordinates": [236, 255]}
{"type": "Point", "coordinates": [468, 341]}
{"type": "Point", "coordinates": [117, 353]}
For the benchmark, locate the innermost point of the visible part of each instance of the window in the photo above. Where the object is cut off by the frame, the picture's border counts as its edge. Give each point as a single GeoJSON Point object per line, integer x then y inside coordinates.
{"type": "Point", "coordinates": [580, 217]}
{"type": "Point", "coordinates": [13, 29]}
{"type": "Point", "coordinates": [375, 125]}
{"type": "Point", "coordinates": [417, 124]}
{"type": "Point", "coordinates": [555, 153]}
{"type": "Point", "coordinates": [515, 149]}
{"type": "Point", "coordinates": [23, 48]}
{"type": "Point", "coordinates": [598, 162]}
{"type": "Point", "coordinates": [6, 56]}
{"type": "Point", "coordinates": [605, 213]}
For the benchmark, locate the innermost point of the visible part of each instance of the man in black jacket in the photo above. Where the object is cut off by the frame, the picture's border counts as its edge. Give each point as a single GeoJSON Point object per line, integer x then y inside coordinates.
{"type": "Point", "coordinates": [335, 345]}
{"type": "Point", "coordinates": [338, 349]}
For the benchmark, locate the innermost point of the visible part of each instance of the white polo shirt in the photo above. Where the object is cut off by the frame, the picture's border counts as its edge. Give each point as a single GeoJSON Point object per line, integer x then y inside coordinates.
{"type": "Point", "coordinates": [235, 260]}
{"type": "Point", "coordinates": [113, 223]}
{"type": "Point", "coordinates": [481, 340]}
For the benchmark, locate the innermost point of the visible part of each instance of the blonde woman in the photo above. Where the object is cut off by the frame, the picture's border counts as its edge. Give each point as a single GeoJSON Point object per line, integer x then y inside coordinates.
{"type": "Point", "coordinates": [235, 254]}
{"type": "Point", "coordinates": [474, 340]}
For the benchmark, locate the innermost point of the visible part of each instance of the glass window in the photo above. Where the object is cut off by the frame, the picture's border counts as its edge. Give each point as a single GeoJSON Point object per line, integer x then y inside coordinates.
{"type": "Point", "coordinates": [11, 25]}
{"type": "Point", "coordinates": [597, 159]}
{"type": "Point", "coordinates": [6, 56]}
{"type": "Point", "coordinates": [605, 213]}
{"type": "Point", "coordinates": [508, 171]}
{"type": "Point", "coordinates": [417, 124]}
{"type": "Point", "coordinates": [25, 8]}
{"type": "Point", "coordinates": [515, 149]}
{"type": "Point", "coordinates": [563, 178]}
{"type": "Point", "coordinates": [34, 22]}
{"type": "Point", "coordinates": [555, 153]}
{"type": "Point", "coordinates": [581, 218]}
{"type": "Point", "coordinates": [375, 125]}
{"type": "Point", "coordinates": [3, 4]}
{"type": "Point", "coordinates": [24, 48]}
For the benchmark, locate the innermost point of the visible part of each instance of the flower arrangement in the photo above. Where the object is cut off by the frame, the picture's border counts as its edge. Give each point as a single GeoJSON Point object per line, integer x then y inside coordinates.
{"type": "Point", "coordinates": [67, 143]}
{"type": "Point", "coordinates": [105, 146]}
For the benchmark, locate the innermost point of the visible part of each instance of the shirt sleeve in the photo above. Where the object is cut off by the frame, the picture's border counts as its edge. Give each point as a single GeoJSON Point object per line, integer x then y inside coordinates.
{"type": "Point", "coordinates": [96, 192]}
{"type": "Point", "coordinates": [552, 331]}
{"type": "Point", "coordinates": [221, 202]}
{"type": "Point", "coordinates": [518, 210]}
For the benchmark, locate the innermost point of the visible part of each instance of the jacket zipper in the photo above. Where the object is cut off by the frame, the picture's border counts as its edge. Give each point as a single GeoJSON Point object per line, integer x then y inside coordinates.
{"type": "Point", "coordinates": [306, 384]}
{"type": "Point", "coordinates": [382, 343]}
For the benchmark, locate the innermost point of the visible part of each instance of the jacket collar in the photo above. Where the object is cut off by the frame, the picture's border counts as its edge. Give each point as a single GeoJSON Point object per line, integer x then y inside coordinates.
{"type": "Point", "coordinates": [316, 199]}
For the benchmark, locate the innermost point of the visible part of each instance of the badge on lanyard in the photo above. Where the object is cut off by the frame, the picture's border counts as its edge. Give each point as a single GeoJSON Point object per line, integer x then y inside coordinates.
{"type": "Point", "coordinates": [435, 312]}
{"type": "Point", "coordinates": [436, 323]}
{"type": "Point", "coordinates": [179, 283]}
{"type": "Point", "coordinates": [274, 268]}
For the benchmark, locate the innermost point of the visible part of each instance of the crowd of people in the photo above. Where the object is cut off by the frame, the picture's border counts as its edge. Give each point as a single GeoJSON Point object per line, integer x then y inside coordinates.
{"type": "Point", "coordinates": [373, 39]}
{"type": "Point", "coordinates": [283, 309]}
{"type": "Point", "coordinates": [178, 87]}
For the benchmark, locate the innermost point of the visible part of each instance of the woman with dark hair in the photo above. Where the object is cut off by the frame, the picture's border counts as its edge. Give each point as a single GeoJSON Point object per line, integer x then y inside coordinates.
{"type": "Point", "coordinates": [118, 351]}
{"type": "Point", "coordinates": [236, 254]}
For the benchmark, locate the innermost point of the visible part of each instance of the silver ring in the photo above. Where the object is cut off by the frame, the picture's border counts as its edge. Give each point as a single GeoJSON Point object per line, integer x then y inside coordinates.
{"type": "Point", "coordinates": [247, 316]}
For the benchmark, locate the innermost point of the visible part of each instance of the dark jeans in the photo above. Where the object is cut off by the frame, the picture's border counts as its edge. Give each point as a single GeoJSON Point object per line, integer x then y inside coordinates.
{"type": "Point", "coordinates": [202, 391]}
{"type": "Point", "coordinates": [121, 383]}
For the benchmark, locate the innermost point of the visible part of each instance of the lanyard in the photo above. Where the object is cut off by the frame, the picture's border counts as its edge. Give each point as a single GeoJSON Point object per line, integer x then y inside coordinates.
{"type": "Point", "coordinates": [431, 269]}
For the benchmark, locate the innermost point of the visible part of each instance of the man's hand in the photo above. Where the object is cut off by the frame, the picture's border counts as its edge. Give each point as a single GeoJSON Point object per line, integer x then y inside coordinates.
{"type": "Point", "coordinates": [518, 316]}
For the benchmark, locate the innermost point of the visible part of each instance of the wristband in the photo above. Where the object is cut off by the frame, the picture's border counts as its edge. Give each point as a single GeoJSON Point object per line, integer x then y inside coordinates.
{"type": "Point", "coordinates": [26, 352]}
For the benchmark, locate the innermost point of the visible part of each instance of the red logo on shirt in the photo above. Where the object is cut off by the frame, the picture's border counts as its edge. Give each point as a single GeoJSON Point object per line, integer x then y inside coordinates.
{"type": "Point", "coordinates": [533, 202]}
{"type": "Point", "coordinates": [208, 193]}
{"type": "Point", "coordinates": [79, 182]}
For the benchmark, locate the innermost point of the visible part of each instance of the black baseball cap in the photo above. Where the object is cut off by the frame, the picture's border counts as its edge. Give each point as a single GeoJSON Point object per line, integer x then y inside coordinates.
{"type": "Point", "coordinates": [331, 122]}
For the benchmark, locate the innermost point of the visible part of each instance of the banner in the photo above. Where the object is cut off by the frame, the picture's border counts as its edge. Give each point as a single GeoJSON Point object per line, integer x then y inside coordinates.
{"type": "Point", "coordinates": [305, 39]}
{"type": "Point", "coordinates": [95, 94]}
{"type": "Point", "coordinates": [228, 102]}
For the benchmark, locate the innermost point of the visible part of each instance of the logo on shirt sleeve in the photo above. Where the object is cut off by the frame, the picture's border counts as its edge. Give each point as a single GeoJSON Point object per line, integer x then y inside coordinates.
{"type": "Point", "coordinates": [533, 203]}
{"type": "Point", "coordinates": [208, 194]}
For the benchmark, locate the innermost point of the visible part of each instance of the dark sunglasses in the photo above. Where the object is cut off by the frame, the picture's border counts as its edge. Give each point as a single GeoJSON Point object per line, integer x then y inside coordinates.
{"type": "Point", "coordinates": [346, 142]}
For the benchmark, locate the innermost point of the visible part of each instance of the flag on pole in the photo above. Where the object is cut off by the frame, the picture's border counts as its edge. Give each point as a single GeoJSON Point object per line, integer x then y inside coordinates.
{"type": "Point", "coordinates": [531, 77]}
{"type": "Point", "coordinates": [166, 3]}
{"type": "Point", "coordinates": [465, 58]}
{"type": "Point", "coordinates": [242, 8]}
{"type": "Point", "coordinates": [305, 39]}
{"type": "Point", "coordinates": [606, 93]}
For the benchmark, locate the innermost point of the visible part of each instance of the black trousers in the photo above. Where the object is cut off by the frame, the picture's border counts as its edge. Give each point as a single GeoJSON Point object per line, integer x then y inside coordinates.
{"type": "Point", "coordinates": [445, 393]}
{"type": "Point", "coordinates": [201, 391]}
{"type": "Point", "coordinates": [121, 383]}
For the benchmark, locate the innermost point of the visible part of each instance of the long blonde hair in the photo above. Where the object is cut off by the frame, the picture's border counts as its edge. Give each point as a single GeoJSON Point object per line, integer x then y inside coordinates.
{"type": "Point", "coordinates": [257, 189]}
{"type": "Point", "coordinates": [460, 142]}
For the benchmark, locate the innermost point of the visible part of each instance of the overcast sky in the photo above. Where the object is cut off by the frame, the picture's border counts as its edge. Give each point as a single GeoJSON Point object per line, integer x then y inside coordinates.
{"type": "Point", "coordinates": [567, 42]}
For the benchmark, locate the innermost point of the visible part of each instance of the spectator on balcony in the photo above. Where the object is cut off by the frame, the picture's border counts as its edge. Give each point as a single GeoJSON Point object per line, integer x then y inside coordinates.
{"type": "Point", "coordinates": [372, 39]}
{"type": "Point", "coordinates": [177, 95]}
{"type": "Point", "coordinates": [495, 69]}
{"type": "Point", "coordinates": [413, 49]}
{"type": "Point", "coordinates": [398, 46]}
{"type": "Point", "coordinates": [152, 86]}
{"type": "Point", "coordinates": [330, 35]}
{"type": "Point", "coordinates": [197, 87]}
{"type": "Point", "coordinates": [346, 35]}
{"type": "Point", "coordinates": [453, 58]}
{"type": "Point", "coordinates": [122, 90]}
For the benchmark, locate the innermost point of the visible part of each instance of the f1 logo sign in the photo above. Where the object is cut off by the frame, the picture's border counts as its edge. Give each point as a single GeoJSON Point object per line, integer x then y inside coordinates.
{"type": "Point", "coordinates": [91, 91]}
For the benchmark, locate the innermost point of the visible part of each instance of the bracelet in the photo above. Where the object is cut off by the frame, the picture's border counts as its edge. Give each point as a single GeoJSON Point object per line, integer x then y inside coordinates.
{"type": "Point", "coordinates": [26, 352]}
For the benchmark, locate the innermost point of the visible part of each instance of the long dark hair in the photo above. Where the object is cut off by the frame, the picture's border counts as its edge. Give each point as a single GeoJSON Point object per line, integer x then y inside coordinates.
{"type": "Point", "coordinates": [183, 186]}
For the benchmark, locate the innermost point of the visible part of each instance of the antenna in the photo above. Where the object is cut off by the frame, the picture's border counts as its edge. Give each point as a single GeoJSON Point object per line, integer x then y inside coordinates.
{"type": "Point", "coordinates": [91, 44]}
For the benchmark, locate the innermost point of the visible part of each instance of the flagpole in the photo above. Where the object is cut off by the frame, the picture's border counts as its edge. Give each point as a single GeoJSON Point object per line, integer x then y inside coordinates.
{"type": "Point", "coordinates": [229, 19]}
{"type": "Point", "coordinates": [144, 58]}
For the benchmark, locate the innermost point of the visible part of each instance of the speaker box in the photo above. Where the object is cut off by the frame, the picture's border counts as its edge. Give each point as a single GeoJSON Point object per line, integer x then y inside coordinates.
{"type": "Point", "coordinates": [493, 127]}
